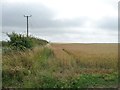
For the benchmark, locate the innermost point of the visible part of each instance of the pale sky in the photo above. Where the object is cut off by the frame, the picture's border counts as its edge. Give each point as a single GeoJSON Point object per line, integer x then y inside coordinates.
{"type": "Point", "coordinates": [80, 21]}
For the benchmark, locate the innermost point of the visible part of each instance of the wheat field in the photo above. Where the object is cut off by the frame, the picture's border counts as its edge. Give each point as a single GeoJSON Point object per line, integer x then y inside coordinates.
{"type": "Point", "coordinates": [100, 56]}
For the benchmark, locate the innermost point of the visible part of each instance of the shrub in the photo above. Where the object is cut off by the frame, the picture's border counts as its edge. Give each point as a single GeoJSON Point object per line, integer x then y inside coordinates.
{"type": "Point", "coordinates": [21, 42]}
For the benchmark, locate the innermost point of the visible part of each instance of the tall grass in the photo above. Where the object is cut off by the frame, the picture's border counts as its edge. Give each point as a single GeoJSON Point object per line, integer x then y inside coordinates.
{"type": "Point", "coordinates": [56, 67]}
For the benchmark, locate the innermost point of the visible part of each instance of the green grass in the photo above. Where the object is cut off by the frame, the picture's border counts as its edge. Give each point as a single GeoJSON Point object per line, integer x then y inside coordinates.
{"type": "Point", "coordinates": [82, 81]}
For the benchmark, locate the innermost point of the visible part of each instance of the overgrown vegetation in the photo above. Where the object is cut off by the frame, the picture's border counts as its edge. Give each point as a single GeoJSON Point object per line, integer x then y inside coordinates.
{"type": "Point", "coordinates": [53, 67]}
{"type": "Point", "coordinates": [21, 42]}
{"type": "Point", "coordinates": [39, 68]}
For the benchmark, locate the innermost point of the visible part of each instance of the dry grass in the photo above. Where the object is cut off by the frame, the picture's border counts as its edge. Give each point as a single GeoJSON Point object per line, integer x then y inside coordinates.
{"type": "Point", "coordinates": [19, 61]}
{"type": "Point", "coordinates": [104, 56]}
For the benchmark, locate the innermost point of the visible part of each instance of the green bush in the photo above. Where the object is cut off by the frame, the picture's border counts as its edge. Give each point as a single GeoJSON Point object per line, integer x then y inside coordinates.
{"type": "Point", "coordinates": [21, 42]}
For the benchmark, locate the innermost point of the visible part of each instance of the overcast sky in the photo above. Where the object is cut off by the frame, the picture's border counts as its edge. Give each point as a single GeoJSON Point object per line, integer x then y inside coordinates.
{"type": "Point", "coordinates": [83, 21]}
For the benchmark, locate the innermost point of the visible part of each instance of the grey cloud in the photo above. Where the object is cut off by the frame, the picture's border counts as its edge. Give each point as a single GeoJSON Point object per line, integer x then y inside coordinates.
{"type": "Point", "coordinates": [13, 14]}
{"type": "Point", "coordinates": [43, 25]}
{"type": "Point", "coordinates": [119, 15]}
{"type": "Point", "coordinates": [0, 16]}
{"type": "Point", "coordinates": [58, 23]}
{"type": "Point", "coordinates": [44, 31]}
{"type": "Point", "coordinates": [108, 23]}
{"type": "Point", "coordinates": [71, 35]}
{"type": "Point", "coordinates": [42, 17]}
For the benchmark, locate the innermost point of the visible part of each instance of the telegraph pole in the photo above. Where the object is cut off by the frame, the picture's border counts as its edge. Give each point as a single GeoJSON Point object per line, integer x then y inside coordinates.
{"type": "Point", "coordinates": [27, 16]}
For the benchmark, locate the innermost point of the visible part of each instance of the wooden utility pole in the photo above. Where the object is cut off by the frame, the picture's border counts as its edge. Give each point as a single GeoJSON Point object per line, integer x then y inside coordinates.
{"type": "Point", "coordinates": [27, 22]}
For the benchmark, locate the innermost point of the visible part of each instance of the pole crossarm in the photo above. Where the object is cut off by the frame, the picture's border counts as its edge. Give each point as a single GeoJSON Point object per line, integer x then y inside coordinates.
{"type": "Point", "coordinates": [27, 15]}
